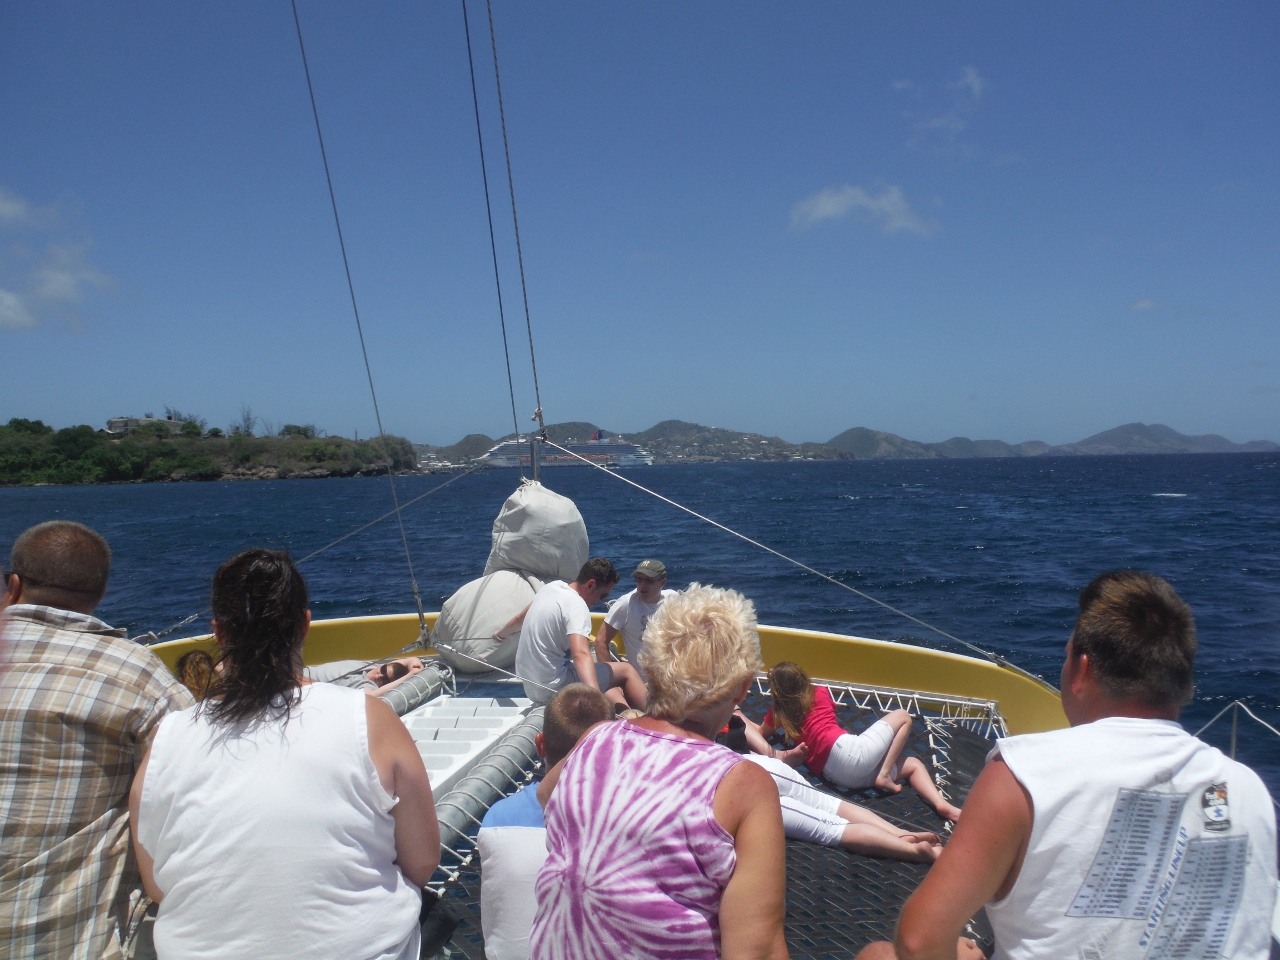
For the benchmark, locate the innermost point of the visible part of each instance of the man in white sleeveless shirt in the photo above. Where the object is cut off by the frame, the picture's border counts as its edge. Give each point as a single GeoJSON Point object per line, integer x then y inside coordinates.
{"type": "Point", "coordinates": [1122, 836]}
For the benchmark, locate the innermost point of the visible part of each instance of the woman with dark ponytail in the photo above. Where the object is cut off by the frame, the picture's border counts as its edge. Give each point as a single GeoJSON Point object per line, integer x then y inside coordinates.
{"type": "Point", "coordinates": [280, 817]}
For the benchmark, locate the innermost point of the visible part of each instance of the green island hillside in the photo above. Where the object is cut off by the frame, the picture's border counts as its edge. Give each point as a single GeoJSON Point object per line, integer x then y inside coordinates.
{"type": "Point", "coordinates": [32, 452]}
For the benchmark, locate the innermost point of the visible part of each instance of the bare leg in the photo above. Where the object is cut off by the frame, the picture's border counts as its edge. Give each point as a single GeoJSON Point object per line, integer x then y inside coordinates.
{"type": "Point", "coordinates": [873, 842]}
{"type": "Point", "coordinates": [861, 815]}
{"type": "Point", "coordinates": [901, 722]}
{"type": "Point", "coordinates": [633, 688]}
{"type": "Point", "coordinates": [914, 772]}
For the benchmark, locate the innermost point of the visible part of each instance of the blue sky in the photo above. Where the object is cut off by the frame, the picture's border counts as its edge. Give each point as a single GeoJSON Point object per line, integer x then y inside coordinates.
{"type": "Point", "coordinates": [990, 219]}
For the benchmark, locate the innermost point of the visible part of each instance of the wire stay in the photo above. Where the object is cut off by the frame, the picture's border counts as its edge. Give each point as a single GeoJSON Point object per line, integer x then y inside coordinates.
{"type": "Point", "coordinates": [493, 245]}
{"type": "Point", "coordinates": [515, 222]}
{"type": "Point", "coordinates": [989, 655]}
{"type": "Point", "coordinates": [355, 309]}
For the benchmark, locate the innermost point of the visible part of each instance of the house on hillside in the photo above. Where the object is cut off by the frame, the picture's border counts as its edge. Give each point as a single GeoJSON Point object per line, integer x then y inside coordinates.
{"type": "Point", "coordinates": [119, 426]}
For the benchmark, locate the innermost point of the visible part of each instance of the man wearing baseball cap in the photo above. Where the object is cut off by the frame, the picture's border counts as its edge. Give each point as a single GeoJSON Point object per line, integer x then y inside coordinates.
{"type": "Point", "coordinates": [630, 615]}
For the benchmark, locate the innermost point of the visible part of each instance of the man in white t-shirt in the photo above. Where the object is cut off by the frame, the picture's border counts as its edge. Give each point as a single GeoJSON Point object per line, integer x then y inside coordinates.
{"type": "Point", "coordinates": [555, 644]}
{"type": "Point", "coordinates": [1121, 836]}
{"type": "Point", "coordinates": [630, 615]}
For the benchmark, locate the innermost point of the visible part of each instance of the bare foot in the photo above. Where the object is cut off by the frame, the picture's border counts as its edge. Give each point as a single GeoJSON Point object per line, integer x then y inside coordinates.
{"type": "Point", "coordinates": [949, 812]}
{"type": "Point", "coordinates": [922, 851]}
{"type": "Point", "coordinates": [888, 784]}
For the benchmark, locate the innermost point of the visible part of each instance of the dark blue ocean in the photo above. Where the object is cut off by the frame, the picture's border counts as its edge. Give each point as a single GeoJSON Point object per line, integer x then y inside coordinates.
{"type": "Point", "coordinates": [993, 551]}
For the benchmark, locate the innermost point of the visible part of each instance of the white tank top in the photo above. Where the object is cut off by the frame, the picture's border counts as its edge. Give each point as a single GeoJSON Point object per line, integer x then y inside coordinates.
{"type": "Point", "coordinates": [1146, 842]}
{"type": "Point", "coordinates": [277, 840]}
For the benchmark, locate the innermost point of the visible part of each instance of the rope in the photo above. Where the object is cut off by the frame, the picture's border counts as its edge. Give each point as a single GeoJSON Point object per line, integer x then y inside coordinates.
{"type": "Point", "coordinates": [515, 221]}
{"type": "Point", "coordinates": [1245, 708]}
{"type": "Point", "coordinates": [493, 245]}
{"type": "Point", "coordinates": [993, 657]}
{"type": "Point", "coordinates": [355, 309]}
{"type": "Point", "coordinates": [449, 648]}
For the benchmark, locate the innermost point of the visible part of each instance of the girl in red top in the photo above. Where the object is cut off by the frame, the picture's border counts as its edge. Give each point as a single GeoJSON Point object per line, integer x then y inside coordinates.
{"type": "Point", "coordinates": [807, 715]}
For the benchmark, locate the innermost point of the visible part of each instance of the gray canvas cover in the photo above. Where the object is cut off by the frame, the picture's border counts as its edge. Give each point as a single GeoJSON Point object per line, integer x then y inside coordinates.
{"type": "Point", "coordinates": [475, 612]}
{"type": "Point", "coordinates": [540, 533]}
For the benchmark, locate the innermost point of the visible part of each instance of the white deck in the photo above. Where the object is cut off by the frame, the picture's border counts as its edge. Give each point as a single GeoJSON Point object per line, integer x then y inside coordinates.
{"type": "Point", "coordinates": [454, 733]}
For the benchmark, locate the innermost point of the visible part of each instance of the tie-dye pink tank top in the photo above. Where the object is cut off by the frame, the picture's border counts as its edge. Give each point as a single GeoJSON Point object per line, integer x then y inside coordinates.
{"type": "Point", "coordinates": [636, 861]}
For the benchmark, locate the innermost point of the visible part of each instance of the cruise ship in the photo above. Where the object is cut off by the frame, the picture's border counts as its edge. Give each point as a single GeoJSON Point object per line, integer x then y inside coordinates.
{"type": "Point", "coordinates": [598, 450]}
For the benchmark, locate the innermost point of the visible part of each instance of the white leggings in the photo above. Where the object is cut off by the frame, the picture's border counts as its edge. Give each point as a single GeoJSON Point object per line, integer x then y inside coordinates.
{"type": "Point", "coordinates": [807, 812]}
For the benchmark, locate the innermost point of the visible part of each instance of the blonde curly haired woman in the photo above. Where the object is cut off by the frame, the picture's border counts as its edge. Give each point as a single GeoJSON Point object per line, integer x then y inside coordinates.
{"type": "Point", "coordinates": [661, 842]}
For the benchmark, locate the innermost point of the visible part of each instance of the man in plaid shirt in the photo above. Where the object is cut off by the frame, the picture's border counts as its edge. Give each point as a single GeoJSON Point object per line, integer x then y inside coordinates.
{"type": "Point", "coordinates": [79, 704]}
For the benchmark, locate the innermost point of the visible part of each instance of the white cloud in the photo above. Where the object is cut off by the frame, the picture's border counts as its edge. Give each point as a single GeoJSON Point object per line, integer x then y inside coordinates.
{"type": "Point", "coordinates": [944, 114]}
{"type": "Point", "coordinates": [46, 275]}
{"type": "Point", "coordinates": [972, 81]}
{"type": "Point", "coordinates": [66, 277]}
{"type": "Point", "coordinates": [13, 314]}
{"type": "Point", "coordinates": [1146, 303]}
{"type": "Point", "coordinates": [13, 209]}
{"type": "Point", "coordinates": [889, 208]}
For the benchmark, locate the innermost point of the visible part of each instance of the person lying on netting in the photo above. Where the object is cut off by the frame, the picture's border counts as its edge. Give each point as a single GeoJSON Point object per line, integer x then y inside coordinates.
{"type": "Point", "coordinates": [377, 679]}
{"type": "Point", "coordinates": [807, 715]}
{"type": "Point", "coordinates": [814, 816]}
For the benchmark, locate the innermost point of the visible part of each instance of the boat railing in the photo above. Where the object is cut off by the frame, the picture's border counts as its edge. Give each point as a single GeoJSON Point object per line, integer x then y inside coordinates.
{"type": "Point", "coordinates": [1235, 706]}
{"type": "Point", "coordinates": [976, 715]}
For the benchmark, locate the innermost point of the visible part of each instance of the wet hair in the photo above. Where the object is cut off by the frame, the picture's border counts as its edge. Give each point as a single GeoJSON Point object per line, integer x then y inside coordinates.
{"type": "Point", "coordinates": [1140, 637]}
{"type": "Point", "coordinates": [260, 604]}
{"type": "Point", "coordinates": [574, 710]}
{"type": "Point", "coordinates": [195, 669]}
{"type": "Point", "coordinates": [62, 561]}
{"type": "Point", "coordinates": [598, 569]}
{"type": "Point", "coordinates": [698, 649]}
{"type": "Point", "coordinates": [792, 694]}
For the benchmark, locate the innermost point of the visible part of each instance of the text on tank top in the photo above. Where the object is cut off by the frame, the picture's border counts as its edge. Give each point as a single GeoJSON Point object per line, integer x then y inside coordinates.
{"type": "Point", "coordinates": [1145, 842]}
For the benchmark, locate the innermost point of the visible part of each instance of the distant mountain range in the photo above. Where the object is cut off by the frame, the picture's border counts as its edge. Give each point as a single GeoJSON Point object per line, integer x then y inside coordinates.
{"type": "Point", "coordinates": [676, 441]}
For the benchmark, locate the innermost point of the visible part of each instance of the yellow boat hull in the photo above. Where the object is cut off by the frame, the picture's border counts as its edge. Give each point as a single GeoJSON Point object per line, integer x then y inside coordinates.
{"type": "Point", "coordinates": [1028, 705]}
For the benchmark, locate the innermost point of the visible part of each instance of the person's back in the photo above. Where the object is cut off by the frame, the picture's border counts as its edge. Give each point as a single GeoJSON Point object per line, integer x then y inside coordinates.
{"type": "Point", "coordinates": [1121, 836]}
{"type": "Point", "coordinates": [632, 833]}
{"type": "Point", "coordinates": [1144, 837]}
{"type": "Point", "coordinates": [253, 823]}
{"type": "Point", "coordinates": [512, 841]}
{"type": "Point", "coordinates": [543, 655]}
{"type": "Point", "coordinates": [78, 705]}
{"type": "Point", "coordinates": [281, 817]}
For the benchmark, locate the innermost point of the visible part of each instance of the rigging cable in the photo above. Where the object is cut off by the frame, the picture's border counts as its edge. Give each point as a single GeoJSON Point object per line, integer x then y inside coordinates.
{"type": "Point", "coordinates": [515, 222]}
{"type": "Point", "coordinates": [333, 543]}
{"type": "Point", "coordinates": [346, 265]}
{"type": "Point", "coordinates": [493, 246]}
{"type": "Point", "coordinates": [993, 657]}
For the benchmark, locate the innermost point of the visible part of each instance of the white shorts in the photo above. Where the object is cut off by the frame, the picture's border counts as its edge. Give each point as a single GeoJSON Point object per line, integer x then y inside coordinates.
{"type": "Point", "coordinates": [803, 822]}
{"type": "Point", "coordinates": [855, 760]}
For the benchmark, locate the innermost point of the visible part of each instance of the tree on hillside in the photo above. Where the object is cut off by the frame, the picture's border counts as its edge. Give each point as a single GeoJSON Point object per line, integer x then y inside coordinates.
{"type": "Point", "coordinates": [245, 425]}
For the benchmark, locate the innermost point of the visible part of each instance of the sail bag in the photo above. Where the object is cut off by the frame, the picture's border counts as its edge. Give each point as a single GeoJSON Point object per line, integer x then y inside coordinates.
{"type": "Point", "coordinates": [539, 533]}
